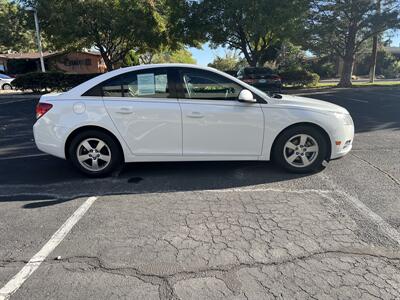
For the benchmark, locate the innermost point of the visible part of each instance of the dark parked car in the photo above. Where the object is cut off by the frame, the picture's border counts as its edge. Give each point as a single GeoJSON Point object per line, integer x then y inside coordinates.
{"type": "Point", "coordinates": [262, 78]}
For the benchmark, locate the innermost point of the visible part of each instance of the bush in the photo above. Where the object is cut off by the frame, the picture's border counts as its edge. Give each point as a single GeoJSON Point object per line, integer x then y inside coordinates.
{"type": "Point", "coordinates": [299, 78]}
{"type": "Point", "coordinates": [50, 81]}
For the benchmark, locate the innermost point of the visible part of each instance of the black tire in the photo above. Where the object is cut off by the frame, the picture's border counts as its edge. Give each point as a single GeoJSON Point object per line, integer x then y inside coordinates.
{"type": "Point", "coordinates": [112, 149]}
{"type": "Point", "coordinates": [278, 153]}
{"type": "Point", "coordinates": [7, 86]}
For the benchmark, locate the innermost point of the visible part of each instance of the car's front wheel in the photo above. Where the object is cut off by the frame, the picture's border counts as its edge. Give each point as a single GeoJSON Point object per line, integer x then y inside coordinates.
{"type": "Point", "coordinates": [301, 149]}
{"type": "Point", "coordinates": [95, 153]}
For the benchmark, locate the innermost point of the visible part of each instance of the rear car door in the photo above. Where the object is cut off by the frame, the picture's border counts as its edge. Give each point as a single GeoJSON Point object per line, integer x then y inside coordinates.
{"type": "Point", "coordinates": [214, 122]}
{"type": "Point", "coordinates": [143, 107]}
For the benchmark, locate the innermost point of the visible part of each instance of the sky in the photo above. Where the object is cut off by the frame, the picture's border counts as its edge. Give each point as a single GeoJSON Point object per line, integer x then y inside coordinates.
{"type": "Point", "coordinates": [206, 55]}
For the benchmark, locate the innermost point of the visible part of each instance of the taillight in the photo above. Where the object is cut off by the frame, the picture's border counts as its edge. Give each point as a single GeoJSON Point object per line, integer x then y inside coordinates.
{"type": "Point", "coordinates": [42, 108]}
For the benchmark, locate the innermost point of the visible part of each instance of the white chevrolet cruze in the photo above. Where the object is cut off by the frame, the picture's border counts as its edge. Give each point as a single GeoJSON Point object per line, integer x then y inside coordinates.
{"type": "Point", "coordinates": [177, 112]}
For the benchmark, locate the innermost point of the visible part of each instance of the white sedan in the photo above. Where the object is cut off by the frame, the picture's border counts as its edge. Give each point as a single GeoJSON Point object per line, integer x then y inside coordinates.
{"type": "Point", "coordinates": [5, 82]}
{"type": "Point", "coordinates": [177, 112]}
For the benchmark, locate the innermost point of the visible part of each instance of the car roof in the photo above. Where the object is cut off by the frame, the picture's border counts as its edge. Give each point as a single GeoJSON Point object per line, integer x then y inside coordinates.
{"type": "Point", "coordinates": [82, 88]}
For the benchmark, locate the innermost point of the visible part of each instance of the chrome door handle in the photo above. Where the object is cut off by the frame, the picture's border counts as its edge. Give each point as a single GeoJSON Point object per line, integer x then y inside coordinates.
{"type": "Point", "coordinates": [125, 110]}
{"type": "Point", "coordinates": [195, 114]}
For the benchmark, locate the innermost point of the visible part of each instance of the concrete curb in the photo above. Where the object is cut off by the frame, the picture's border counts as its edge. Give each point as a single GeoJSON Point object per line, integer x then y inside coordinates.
{"type": "Point", "coordinates": [335, 89]}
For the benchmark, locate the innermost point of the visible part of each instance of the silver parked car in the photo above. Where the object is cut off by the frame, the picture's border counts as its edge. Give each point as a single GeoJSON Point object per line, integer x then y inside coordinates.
{"type": "Point", "coordinates": [5, 82]}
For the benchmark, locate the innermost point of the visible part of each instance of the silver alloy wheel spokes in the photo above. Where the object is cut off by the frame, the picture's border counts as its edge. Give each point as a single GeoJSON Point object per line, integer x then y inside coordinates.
{"type": "Point", "coordinates": [93, 154]}
{"type": "Point", "coordinates": [301, 150]}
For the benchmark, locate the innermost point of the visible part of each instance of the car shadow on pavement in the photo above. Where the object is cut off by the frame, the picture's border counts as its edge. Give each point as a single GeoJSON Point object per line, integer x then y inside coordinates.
{"type": "Point", "coordinates": [48, 181]}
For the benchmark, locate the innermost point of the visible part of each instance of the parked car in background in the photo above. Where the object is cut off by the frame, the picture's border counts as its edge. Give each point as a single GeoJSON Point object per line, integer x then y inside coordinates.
{"type": "Point", "coordinates": [231, 72]}
{"type": "Point", "coordinates": [262, 78]}
{"type": "Point", "coordinates": [176, 112]}
{"type": "Point", "coordinates": [5, 82]}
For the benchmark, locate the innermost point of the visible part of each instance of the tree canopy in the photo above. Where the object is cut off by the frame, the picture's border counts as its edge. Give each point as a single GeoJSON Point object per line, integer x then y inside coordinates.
{"type": "Point", "coordinates": [343, 26]}
{"type": "Point", "coordinates": [16, 32]}
{"type": "Point", "coordinates": [231, 61]}
{"type": "Point", "coordinates": [256, 28]}
{"type": "Point", "coordinates": [114, 27]}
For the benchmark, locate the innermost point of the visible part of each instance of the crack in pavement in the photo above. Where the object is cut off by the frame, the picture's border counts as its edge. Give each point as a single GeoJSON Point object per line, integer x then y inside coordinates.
{"type": "Point", "coordinates": [387, 174]}
{"type": "Point", "coordinates": [226, 273]}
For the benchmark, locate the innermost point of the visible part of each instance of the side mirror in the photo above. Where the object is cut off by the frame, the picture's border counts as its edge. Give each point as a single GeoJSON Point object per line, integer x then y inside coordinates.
{"type": "Point", "coordinates": [246, 96]}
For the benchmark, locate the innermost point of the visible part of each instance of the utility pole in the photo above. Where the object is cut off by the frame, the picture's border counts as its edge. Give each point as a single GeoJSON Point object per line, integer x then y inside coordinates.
{"type": "Point", "coordinates": [39, 42]}
{"type": "Point", "coordinates": [372, 70]}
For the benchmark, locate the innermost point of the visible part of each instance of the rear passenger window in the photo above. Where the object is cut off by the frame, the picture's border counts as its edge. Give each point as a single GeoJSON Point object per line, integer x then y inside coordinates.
{"type": "Point", "coordinates": [152, 83]}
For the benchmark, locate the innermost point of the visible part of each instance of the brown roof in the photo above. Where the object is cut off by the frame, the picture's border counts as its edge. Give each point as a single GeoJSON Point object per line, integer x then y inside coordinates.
{"type": "Point", "coordinates": [35, 55]}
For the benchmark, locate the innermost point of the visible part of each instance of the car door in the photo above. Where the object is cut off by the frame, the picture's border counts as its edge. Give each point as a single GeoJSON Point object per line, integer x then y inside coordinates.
{"type": "Point", "coordinates": [143, 107]}
{"type": "Point", "coordinates": [214, 122]}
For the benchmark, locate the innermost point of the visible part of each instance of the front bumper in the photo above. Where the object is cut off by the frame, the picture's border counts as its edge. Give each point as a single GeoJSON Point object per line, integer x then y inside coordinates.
{"type": "Point", "coordinates": [342, 142]}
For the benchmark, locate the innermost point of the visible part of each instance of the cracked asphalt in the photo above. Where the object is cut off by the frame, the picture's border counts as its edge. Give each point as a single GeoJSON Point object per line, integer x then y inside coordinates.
{"type": "Point", "coordinates": [209, 230]}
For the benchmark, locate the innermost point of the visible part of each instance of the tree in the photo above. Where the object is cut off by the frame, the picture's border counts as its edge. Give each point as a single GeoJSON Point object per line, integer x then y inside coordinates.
{"type": "Point", "coordinates": [16, 33]}
{"type": "Point", "coordinates": [386, 64]}
{"type": "Point", "coordinates": [343, 26]}
{"type": "Point", "coordinates": [231, 61]}
{"type": "Point", "coordinates": [168, 56]}
{"type": "Point", "coordinates": [256, 28]}
{"type": "Point", "coordinates": [291, 57]}
{"type": "Point", "coordinates": [179, 56]}
{"type": "Point", "coordinates": [114, 27]}
{"type": "Point", "coordinates": [374, 53]}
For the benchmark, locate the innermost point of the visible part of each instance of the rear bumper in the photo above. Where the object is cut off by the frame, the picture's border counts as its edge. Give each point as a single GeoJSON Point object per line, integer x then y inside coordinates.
{"type": "Point", "coordinates": [50, 139]}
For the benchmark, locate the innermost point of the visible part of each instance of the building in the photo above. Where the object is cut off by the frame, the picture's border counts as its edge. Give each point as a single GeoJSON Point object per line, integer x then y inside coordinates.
{"type": "Point", "coordinates": [68, 62]}
{"type": "Point", "coordinates": [395, 51]}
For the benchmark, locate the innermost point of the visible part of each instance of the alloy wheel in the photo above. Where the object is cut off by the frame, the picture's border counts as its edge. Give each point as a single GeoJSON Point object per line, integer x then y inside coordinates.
{"type": "Point", "coordinates": [301, 150]}
{"type": "Point", "coordinates": [93, 154]}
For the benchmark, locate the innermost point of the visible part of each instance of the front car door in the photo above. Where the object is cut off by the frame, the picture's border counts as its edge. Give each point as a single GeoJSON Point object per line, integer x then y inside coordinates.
{"type": "Point", "coordinates": [145, 111]}
{"type": "Point", "coordinates": [214, 122]}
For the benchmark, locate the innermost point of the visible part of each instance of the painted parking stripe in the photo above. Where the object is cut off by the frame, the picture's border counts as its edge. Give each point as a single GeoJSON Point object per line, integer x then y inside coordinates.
{"type": "Point", "coordinates": [354, 99]}
{"type": "Point", "coordinates": [16, 282]}
{"type": "Point", "coordinates": [384, 227]}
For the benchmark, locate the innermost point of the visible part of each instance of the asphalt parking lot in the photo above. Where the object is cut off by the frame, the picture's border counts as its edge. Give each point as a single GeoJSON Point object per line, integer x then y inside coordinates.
{"type": "Point", "coordinates": [209, 230]}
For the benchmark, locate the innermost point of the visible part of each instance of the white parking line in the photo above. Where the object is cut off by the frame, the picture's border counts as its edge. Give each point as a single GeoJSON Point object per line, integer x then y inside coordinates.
{"type": "Point", "coordinates": [365, 211]}
{"type": "Point", "coordinates": [16, 282]}
{"type": "Point", "coordinates": [242, 190]}
{"type": "Point", "coordinates": [357, 100]}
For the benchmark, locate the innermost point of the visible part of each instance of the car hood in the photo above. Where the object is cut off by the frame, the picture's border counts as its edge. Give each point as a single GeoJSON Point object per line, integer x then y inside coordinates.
{"type": "Point", "coordinates": [308, 103]}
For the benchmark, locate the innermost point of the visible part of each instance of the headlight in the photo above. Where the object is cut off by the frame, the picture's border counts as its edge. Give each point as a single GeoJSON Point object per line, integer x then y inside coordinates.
{"type": "Point", "coordinates": [346, 118]}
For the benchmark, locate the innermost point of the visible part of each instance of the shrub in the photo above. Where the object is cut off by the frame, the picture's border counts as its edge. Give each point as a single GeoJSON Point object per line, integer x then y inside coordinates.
{"type": "Point", "coordinates": [50, 81]}
{"type": "Point", "coordinates": [299, 78]}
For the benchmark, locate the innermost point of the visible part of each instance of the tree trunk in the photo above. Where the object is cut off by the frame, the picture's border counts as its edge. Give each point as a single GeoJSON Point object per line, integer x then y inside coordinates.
{"type": "Point", "coordinates": [347, 71]}
{"type": "Point", "coordinates": [348, 59]}
{"type": "Point", "coordinates": [374, 55]}
{"type": "Point", "coordinates": [372, 69]}
{"type": "Point", "coordinates": [106, 59]}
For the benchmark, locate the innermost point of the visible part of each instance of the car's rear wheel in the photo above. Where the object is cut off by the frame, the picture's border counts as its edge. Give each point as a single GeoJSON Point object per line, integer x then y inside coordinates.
{"type": "Point", "coordinates": [301, 149]}
{"type": "Point", "coordinates": [7, 86]}
{"type": "Point", "coordinates": [95, 153]}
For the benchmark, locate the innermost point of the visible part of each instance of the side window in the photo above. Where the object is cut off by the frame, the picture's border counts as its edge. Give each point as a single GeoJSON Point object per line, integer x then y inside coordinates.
{"type": "Point", "coordinates": [199, 84]}
{"type": "Point", "coordinates": [152, 83]}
